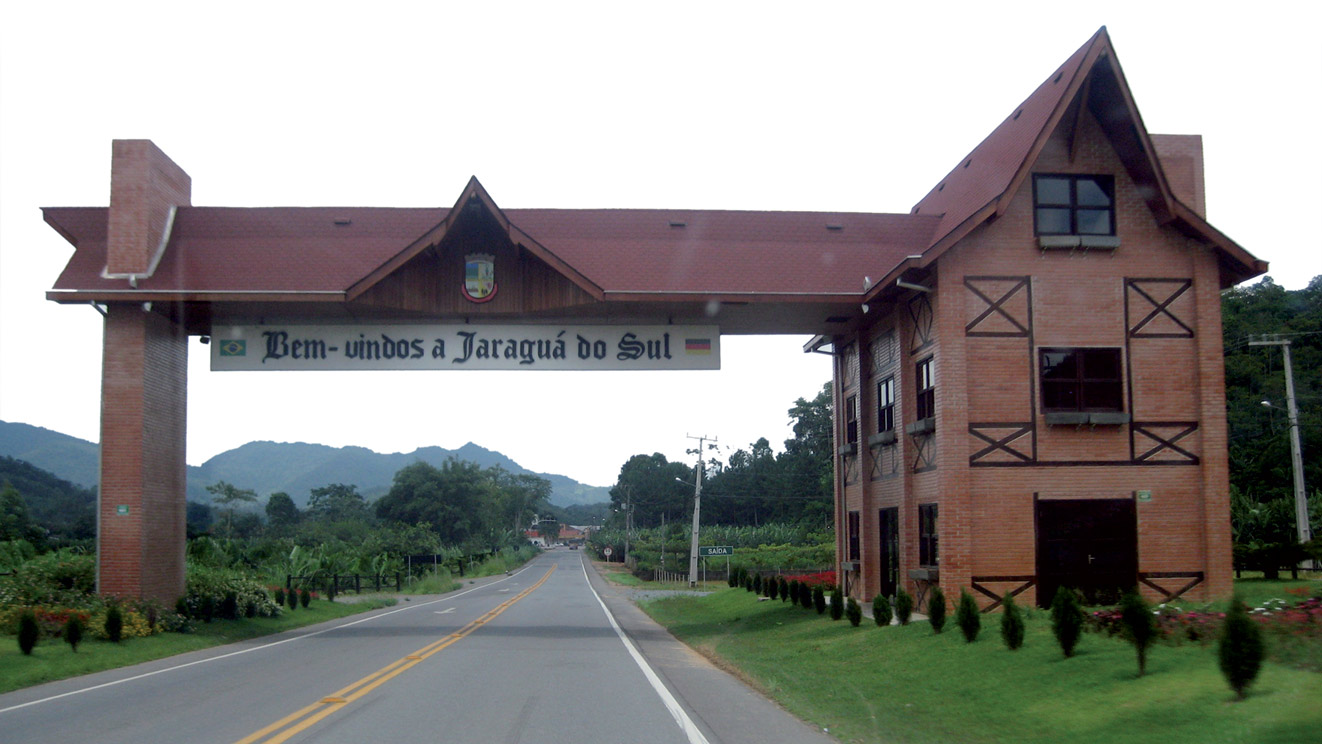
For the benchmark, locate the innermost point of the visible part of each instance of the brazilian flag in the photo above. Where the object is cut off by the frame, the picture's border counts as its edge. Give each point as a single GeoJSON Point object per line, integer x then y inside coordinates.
{"type": "Point", "coordinates": [233, 348]}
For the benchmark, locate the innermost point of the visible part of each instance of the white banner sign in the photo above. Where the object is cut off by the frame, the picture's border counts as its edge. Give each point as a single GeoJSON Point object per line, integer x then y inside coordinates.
{"type": "Point", "coordinates": [379, 347]}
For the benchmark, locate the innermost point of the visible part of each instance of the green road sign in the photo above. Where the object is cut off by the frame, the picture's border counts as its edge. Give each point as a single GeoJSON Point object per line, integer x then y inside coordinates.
{"type": "Point", "coordinates": [713, 550]}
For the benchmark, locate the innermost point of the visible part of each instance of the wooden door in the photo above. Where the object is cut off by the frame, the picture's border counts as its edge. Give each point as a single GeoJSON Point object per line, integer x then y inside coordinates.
{"type": "Point", "coordinates": [1087, 544]}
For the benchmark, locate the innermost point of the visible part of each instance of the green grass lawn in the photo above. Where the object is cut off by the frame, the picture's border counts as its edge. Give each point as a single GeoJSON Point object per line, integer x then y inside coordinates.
{"type": "Point", "coordinates": [905, 684]}
{"type": "Point", "coordinates": [52, 659]}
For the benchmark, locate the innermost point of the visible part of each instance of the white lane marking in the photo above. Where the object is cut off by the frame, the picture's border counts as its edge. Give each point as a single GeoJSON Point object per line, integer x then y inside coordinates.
{"type": "Point", "coordinates": [685, 723]}
{"type": "Point", "coordinates": [445, 611]}
{"type": "Point", "coordinates": [254, 648]}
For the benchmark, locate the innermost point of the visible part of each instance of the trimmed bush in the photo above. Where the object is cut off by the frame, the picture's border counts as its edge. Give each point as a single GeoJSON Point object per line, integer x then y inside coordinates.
{"type": "Point", "coordinates": [881, 610]}
{"type": "Point", "coordinates": [1066, 619]}
{"type": "Point", "coordinates": [1012, 623]}
{"type": "Point", "coordinates": [280, 596]}
{"type": "Point", "coordinates": [73, 631]}
{"type": "Point", "coordinates": [757, 583]}
{"type": "Point", "coordinates": [968, 617]}
{"type": "Point", "coordinates": [1140, 626]}
{"type": "Point", "coordinates": [837, 604]}
{"type": "Point", "coordinates": [853, 612]}
{"type": "Point", "coordinates": [1240, 649]}
{"type": "Point", "coordinates": [304, 597]}
{"type": "Point", "coordinates": [206, 609]}
{"type": "Point", "coordinates": [181, 607]}
{"type": "Point", "coordinates": [114, 623]}
{"type": "Point", "coordinates": [28, 631]}
{"type": "Point", "coordinates": [732, 579]}
{"type": "Point", "coordinates": [819, 599]}
{"type": "Point", "coordinates": [229, 607]}
{"type": "Point", "coordinates": [936, 609]}
{"type": "Point", "coordinates": [805, 596]}
{"type": "Point", "coordinates": [784, 589]}
{"type": "Point", "coordinates": [772, 587]}
{"type": "Point", "coordinates": [794, 592]}
{"type": "Point", "coordinates": [903, 606]}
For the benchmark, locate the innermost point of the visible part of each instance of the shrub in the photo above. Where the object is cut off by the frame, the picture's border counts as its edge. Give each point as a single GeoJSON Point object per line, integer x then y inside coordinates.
{"type": "Point", "coordinates": [805, 596]}
{"type": "Point", "coordinates": [1012, 624]}
{"type": "Point", "coordinates": [304, 597]}
{"type": "Point", "coordinates": [968, 617]}
{"type": "Point", "coordinates": [881, 610]}
{"type": "Point", "coordinates": [250, 608]}
{"type": "Point", "coordinates": [229, 606]}
{"type": "Point", "coordinates": [114, 623]}
{"type": "Point", "coordinates": [903, 606]}
{"type": "Point", "coordinates": [936, 609]}
{"type": "Point", "coordinates": [73, 632]}
{"type": "Point", "coordinates": [1241, 649]}
{"type": "Point", "coordinates": [853, 612]}
{"type": "Point", "coordinates": [819, 599]}
{"type": "Point", "coordinates": [181, 607]}
{"type": "Point", "coordinates": [784, 589]}
{"type": "Point", "coordinates": [292, 599]}
{"type": "Point", "coordinates": [1140, 627]}
{"type": "Point", "coordinates": [772, 586]}
{"type": "Point", "coordinates": [837, 604]}
{"type": "Point", "coordinates": [279, 596]}
{"type": "Point", "coordinates": [794, 591]}
{"type": "Point", "coordinates": [732, 578]}
{"type": "Point", "coordinates": [757, 584]}
{"type": "Point", "coordinates": [27, 632]}
{"type": "Point", "coordinates": [1066, 619]}
{"type": "Point", "coordinates": [206, 609]}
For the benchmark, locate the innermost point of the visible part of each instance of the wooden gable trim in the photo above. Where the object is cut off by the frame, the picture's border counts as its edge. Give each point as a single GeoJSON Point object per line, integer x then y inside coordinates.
{"type": "Point", "coordinates": [474, 191]}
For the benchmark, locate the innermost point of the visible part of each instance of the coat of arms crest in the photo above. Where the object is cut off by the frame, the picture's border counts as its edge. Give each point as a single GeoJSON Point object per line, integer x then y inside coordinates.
{"type": "Point", "coordinates": [479, 277]}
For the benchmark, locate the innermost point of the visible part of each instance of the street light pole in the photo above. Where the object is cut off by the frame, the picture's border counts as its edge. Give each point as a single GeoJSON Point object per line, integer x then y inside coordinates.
{"type": "Point", "coordinates": [697, 505]}
{"type": "Point", "coordinates": [1296, 451]}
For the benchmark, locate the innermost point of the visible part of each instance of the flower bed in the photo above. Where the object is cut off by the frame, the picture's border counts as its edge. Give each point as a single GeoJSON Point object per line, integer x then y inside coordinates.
{"type": "Point", "coordinates": [824, 579]}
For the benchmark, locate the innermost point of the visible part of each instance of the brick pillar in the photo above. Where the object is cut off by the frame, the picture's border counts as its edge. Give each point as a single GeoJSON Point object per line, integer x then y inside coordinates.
{"type": "Point", "coordinates": [141, 530]}
{"type": "Point", "coordinates": [144, 381]}
{"type": "Point", "coordinates": [1212, 425]}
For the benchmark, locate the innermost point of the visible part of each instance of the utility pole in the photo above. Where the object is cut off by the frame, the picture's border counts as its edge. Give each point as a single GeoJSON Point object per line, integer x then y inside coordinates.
{"type": "Point", "coordinates": [1296, 451]}
{"type": "Point", "coordinates": [628, 520]}
{"type": "Point", "coordinates": [697, 505]}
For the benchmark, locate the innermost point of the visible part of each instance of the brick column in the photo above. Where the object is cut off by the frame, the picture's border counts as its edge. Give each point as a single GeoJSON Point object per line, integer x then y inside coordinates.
{"type": "Point", "coordinates": [141, 530]}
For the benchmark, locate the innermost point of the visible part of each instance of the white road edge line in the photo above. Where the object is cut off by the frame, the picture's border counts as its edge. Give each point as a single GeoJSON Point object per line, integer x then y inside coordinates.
{"type": "Point", "coordinates": [446, 598]}
{"type": "Point", "coordinates": [685, 723]}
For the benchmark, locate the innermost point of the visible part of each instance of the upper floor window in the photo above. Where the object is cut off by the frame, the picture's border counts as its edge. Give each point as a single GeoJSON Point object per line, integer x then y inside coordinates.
{"type": "Point", "coordinates": [886, 405]}
{"type": "Point", "coordinates": [926, 401]}
{"type": "Point", "coordinates": [851, 419]}
{"type": "Point", "coordinates": [1073, 205]}
{"type": "Point", "coordinates": [1081, 379]}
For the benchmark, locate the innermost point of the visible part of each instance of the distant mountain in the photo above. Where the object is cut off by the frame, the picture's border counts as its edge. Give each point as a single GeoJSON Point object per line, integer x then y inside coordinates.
{"type": "Point", "coordinates": [267, 467]}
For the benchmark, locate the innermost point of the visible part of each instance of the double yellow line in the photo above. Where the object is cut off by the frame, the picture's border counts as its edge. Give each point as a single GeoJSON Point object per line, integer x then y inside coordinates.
{"type": "Point", "coordinates": [303, 719]}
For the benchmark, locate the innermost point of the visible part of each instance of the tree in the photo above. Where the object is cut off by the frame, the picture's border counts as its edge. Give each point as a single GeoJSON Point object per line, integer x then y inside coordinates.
{"type": "Point", "coordinates": [1240, 650]}
{"type": "Point", "coordinates": [1012, 623]}
{"type": "Point", "coordinates": [281, 511]}
{"type": "Point", "coordinates": [338, 502]}
{"type": "Point", "coordinates": [229, 496]}
{"type": "Point", "coordinates": [449, 498]}
{"type": "Point", "coordinates": [549, 530]}
{"type": "Point", "coordinates": [936, 609]}
{"type": "Point", "coordinates": [15, 523]}
{"type": "Point", "coordinates": [653, 486]}
{"type": "Point", "coordinates": [968, 617]}
{"type": "Point", "coordinates": [1140, 627]}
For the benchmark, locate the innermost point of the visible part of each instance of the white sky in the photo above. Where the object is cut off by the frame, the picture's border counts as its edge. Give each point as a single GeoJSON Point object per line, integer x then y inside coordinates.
{"type": "Point", "coordinates": [822, 106]}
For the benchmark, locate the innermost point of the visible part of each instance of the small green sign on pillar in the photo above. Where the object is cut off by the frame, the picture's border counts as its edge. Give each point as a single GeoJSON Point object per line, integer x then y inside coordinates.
{"type": "Point", "coordinates": [1144, 495]}
{"type": "Point", "coordinates": [122, 509]}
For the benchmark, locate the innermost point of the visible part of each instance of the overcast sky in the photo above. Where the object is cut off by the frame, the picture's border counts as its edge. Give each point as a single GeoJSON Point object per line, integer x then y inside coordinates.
{"type": "Point", "coordinates": [765, 106]}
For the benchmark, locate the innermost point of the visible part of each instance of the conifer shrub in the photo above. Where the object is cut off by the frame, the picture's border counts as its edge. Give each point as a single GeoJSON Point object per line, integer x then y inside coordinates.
{"type": "Point", "coordinates": [968, 617]}
{"type": "Point", "coordinates": [757, 583]}
{"type": "Point", "coordinates": [903, 606]}
{"type": "Point", "coordinates": [936, 609]}
{"type": "Point", "coordinates": [772, 587]}
{"type": "Point", "coordinates": [114, 623]}
{"type": "Point", "coordinates": [1140, 626]}
{"type": "Point", "coordinates": [853, 612]}
{"type": "Point", "coordinates": [181, 607]}
{"type": "Point", "coordinates": [805, 596]}
{"type": "Point", "coordinates": [292, 599]}
{"type": "Point", "coordinates": [784, 589]}
{"type": "Point", "coordinates": [819, 599]}
{"type": "Point", "coordinates": [794, 592]}
{"type": "Point", "coordinates": [732, 579]}
{"type": "Point", "coordinates": [1012, 623]}
{"type": "Point", "coordinates": [304, 597]}
{"type": "Point", "coordinates": [881, 610]}
{"type": "Point", "coordinates": [837, 604]}
{"type": "Point", "coordinates": [1240, 649]}
{"type": "Point", "coordinates": [1066, 619]}
{"type": "Point", "coordinates": [206, 608]}
{"type": "Point", "coordinates": [279, 595]}
{"type": "Point", "coordinates": [28, 632]}
{"type": "Point", "coordinates": [73, 631]}
{"type": "Point", "coordinates": [250, 609]}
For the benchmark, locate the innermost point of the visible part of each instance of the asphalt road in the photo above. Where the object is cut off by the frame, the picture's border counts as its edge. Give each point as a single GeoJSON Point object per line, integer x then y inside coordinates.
{"type": "Point", "coordinates": [549, 654]}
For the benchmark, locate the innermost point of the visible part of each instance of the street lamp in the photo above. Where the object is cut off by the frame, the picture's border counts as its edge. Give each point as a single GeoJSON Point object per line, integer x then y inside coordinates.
{"type": "Point", "coordinates": [1304, 528]}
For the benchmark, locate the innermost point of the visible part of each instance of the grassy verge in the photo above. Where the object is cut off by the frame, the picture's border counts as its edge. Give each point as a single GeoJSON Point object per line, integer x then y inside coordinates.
{"type": "Point", "coordinates": [52, 659]}
{"type": "Point", "coordinates": [905, 684]}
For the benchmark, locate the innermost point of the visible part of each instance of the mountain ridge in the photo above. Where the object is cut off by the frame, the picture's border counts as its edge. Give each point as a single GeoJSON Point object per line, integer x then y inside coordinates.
{"type": "Point", "coordinates": [268, 467]}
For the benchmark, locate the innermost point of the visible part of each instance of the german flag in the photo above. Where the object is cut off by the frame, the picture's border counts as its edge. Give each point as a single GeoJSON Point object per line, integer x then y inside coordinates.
{"type": "Point", "coordinates": [697, 346]}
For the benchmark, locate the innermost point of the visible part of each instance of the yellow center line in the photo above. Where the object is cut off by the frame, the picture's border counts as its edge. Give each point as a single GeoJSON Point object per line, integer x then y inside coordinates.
{"type": "Point", "coordinates": [304, 718]}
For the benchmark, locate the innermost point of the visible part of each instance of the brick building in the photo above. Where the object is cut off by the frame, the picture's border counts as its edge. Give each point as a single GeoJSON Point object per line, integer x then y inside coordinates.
{"type": "Point", "coordinates": [1035, 396]}
{"type": "Point", "coordinates": [1028, 364]}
